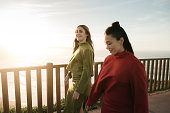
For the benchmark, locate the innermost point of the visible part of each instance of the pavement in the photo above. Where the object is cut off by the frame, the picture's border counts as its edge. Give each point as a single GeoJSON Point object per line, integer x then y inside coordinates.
{"type": "Point", "coordinates": [158, 103]}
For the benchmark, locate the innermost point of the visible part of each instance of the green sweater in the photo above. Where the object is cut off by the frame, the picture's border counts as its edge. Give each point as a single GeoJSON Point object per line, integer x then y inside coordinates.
{"type": "Point", "coordinates": [81, 67]}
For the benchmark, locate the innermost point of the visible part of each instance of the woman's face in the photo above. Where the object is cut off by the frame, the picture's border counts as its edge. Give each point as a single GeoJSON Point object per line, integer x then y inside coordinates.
{"type": "Point", "coordinates": [81, 36]}
{"type": "Point", "coordinates": [113, 45]}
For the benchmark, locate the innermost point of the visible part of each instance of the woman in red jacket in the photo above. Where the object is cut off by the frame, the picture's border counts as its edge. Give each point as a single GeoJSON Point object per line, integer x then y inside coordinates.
{"type": "Point", "coordinates": [122, 79]}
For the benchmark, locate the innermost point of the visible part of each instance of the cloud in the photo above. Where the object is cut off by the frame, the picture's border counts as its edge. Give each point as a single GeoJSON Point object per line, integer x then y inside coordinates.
{"type": "Point", "coordinates": [144, 18]}
{"type": "Point", "coordinates": [161, 3]}
{"type": "Point", "coordinates": [46, 8]}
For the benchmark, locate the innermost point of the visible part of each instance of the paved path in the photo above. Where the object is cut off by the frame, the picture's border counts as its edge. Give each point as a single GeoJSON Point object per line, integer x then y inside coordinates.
{"type": "Point", "coordinates": [158, 103]}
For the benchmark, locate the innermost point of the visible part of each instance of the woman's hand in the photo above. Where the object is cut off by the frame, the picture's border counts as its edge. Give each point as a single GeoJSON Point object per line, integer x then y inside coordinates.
{"type": "Point", "coordinates": [87, 108]}
{"type": "Point", "coordinates": [66, 80]}
{"type": "Point", "coordinates": [76, 95]}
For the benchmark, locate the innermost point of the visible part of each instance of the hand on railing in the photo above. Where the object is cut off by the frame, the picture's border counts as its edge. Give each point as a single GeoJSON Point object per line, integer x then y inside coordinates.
{"type": "Point", "coordinates": [66, 80]}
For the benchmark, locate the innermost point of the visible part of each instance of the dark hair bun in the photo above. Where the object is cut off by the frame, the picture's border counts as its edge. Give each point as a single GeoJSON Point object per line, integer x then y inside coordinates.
{"type": "Point", "coordinates": [116, 24]}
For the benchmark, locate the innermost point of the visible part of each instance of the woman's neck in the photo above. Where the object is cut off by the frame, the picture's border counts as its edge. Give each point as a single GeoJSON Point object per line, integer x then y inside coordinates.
{"type": "Point", "coordinates": [83, 41]}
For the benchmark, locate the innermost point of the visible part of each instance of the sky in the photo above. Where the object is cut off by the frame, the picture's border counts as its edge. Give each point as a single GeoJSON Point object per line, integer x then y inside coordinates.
{"type": "Point", "coordinates": [34, 32]}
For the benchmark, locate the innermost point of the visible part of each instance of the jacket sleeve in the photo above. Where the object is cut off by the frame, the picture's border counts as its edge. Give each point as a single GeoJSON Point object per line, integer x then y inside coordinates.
{"type": "Point", "coordinates": [87, 59]}
{"type": "Point", "coordinates": [138, 83]}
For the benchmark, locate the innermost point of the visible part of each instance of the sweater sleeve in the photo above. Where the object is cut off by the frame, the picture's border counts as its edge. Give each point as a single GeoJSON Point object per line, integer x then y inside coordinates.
{"type": "Point", "coordinates": [95, 93]}
{"type": "Point", "coordinates": [139, 89]}
{"type": "Point", "coordinates": [88, 60]}
{"type": "Point", "coordinates": [97, 88]}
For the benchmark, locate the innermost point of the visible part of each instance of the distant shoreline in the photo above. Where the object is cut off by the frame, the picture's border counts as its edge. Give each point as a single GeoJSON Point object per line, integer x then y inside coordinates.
{"type": "Point", "coordinates": [99, 56]}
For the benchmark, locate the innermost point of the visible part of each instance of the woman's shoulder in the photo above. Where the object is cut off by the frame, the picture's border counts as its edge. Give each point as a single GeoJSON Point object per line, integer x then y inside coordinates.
{"type": "Point", "coordinates": [108, 59]}
{"type": "Point", "coordinates": [134, 60]}
{"type": "Point", "coordinates": [86, 51]}
{"type": "Point", "coordinates": [86, 48]}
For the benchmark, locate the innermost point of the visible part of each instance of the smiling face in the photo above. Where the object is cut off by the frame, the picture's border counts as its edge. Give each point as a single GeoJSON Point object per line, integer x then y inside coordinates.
{"type": "Point", "coordinates": [113, 45]}
{"type": "Point", "coordinates": [81, 35]}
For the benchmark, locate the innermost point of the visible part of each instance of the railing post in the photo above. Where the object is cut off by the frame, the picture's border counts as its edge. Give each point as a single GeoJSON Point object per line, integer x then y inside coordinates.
{"type": "Point", "coordinates": [39, 91]}
{"type": "Point", "coordinates": [49, 88]}
{"type": "Point", "coordinates": [95, 71]}
{"type": "Point", "coordinates": [147, 72]}
{"type": "Point", "coordinates": [163, 74]}
{"type": "Point", "coordinates": [5, 92]}
{"type": "Point", "coordinates": [144, 61]}
{"type": "Point", "coordinates": [168, 74]}
{"type": "Point", "coordinates": [156, 74]}
{"type": "Point", "coordinates": [159, 74]}
{"type": "Point", "coordinates": [58, 89]}
{"type": "Point", "coordinates": [17, 91]}
{"type": "Point", "coordinates": [151, 76]}
{"type": "Point", "coordinates": [29, 92]}
{"type": "Point", "coordinates": [167, 71]}
{"type": "Point", "coordinates": [66, 86]}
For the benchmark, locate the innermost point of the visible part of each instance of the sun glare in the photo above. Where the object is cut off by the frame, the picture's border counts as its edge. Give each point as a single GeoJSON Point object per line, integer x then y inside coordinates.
{"type": "Point", "coordinates": [23, 33]}
{"type": "Point", "coordinates": [28, 34]}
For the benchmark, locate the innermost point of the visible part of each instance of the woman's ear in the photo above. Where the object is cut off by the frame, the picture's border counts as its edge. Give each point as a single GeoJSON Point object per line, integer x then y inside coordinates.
{"type": "Point", "coordinates": [122, 40]}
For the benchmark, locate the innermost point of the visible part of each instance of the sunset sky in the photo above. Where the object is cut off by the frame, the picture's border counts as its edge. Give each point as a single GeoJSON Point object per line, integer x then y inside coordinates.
{"type": "Point", "coordinates": [31, 30]}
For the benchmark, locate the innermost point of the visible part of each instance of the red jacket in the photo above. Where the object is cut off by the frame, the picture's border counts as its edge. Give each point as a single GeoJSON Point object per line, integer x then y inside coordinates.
{"type": "Point", "coordinates": [123, 82]}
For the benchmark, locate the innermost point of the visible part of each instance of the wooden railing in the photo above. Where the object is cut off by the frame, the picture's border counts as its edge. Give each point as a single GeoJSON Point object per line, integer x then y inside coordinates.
{"type": "Point", "coordinates": [157, 71]}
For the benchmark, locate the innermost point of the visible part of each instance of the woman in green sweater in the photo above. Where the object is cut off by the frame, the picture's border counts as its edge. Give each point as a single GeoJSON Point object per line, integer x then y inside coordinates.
{"type": "Point", "coordinates": [80, 70]}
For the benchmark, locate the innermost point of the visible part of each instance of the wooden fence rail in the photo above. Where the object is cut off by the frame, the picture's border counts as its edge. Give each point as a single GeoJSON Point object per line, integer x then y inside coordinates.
{"type": "Point", "coordinates": [157, 70]}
